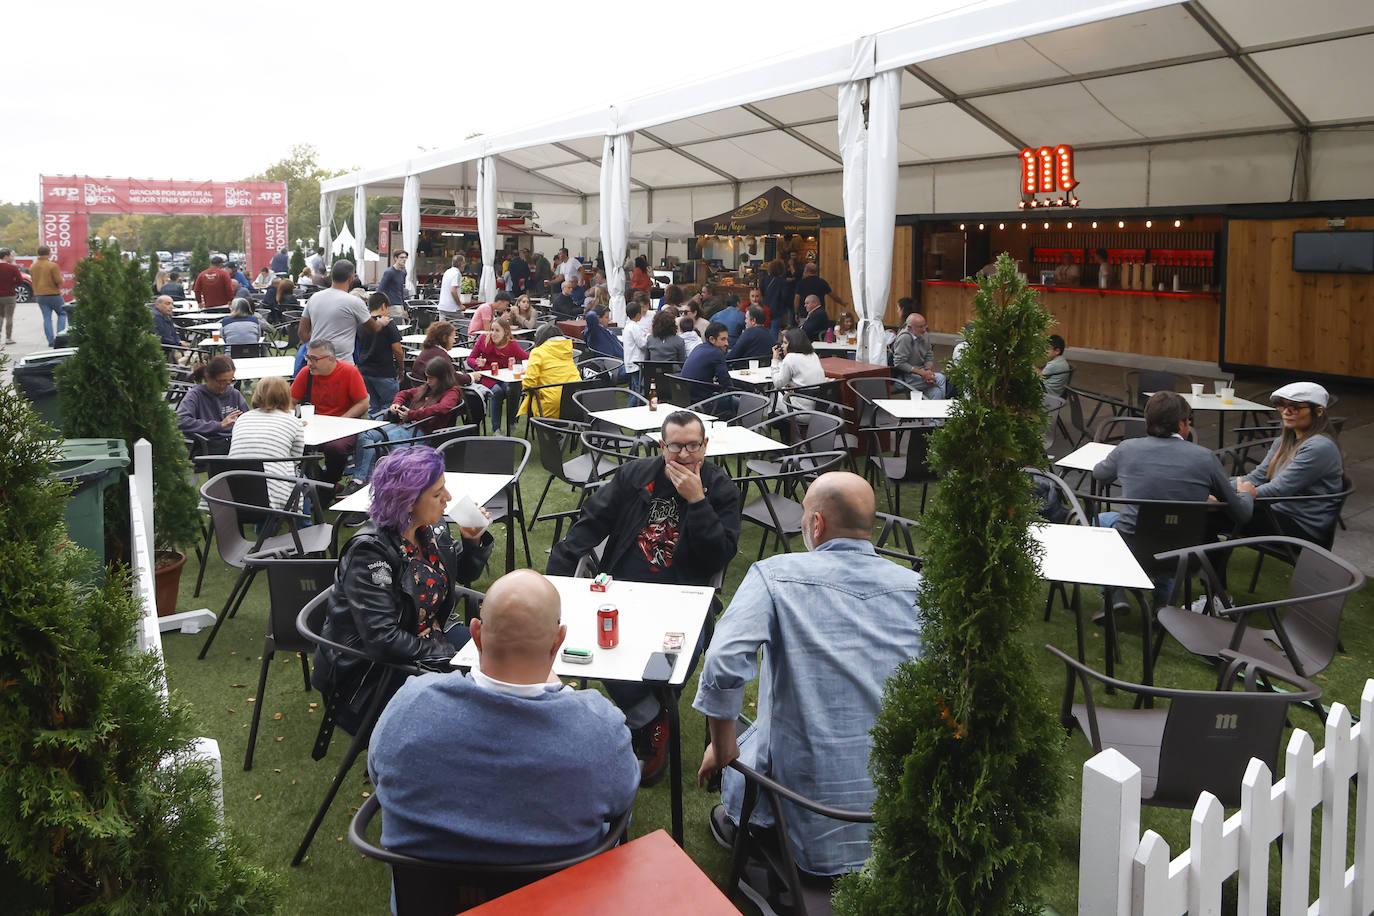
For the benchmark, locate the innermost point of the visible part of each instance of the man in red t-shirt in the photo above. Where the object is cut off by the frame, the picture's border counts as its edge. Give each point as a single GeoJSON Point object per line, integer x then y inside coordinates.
{"type": "Point", "coordinates": [214, 286]}
{"type": "Point", "coordinates": [336, 389]}
{"type": "Point", "coordinates": [10, 278]}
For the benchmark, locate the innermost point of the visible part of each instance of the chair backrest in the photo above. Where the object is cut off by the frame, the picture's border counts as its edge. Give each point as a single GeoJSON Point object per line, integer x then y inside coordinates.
{"type": "Point", "coordinates": [1139, 381]}
{"type": "Point", "coordinates": [895, 539]}
{"type": "Point", "coordinates": [1119, 429]}
{"type": "Point", "coordinates": [609, 450]}
{"type": "Point", "coordinates": [422, 314]}
{"type": "Point", "coordinates": [594, 399]}
{"type": "Point", "coordinates": [236, 485]}
{"type": "Point", "coordinates": [1063, 495]}
{"type": "Point", "coordinates": [1313, 627]}
{"type": "Point", "coordinates": [652, 370]}
{"type": "Point", "coordinates": [553, 439]}
{"type": "Point", "coordinates": [428, 887]}
{"type": "Point", "coordinates": [868, 390]}
{"type": "Point", "coordinates": [917, 445]}
{"type": "Point", "coordinates": [292, 584]}
{"type": "Point", "coordinates": [486, 455]}
{"type": "Point", "coordinates": [678, 388]}
{"type": "Point", "coordinates": [1209, 738]}
{"type": "Point", "coordinates": [247, 351]}
{"type": "Point", "coordinates": [1162, 526]}
{"type": "Point", "coordinates": [812, 430]}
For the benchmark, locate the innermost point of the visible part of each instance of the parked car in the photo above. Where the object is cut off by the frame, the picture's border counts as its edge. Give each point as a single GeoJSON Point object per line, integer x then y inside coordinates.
{"type": "Point", "coordinates": [23, 292]}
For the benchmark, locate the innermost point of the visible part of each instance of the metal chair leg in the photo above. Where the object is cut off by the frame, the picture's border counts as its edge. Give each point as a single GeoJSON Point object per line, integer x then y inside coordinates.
{"type": "Point", "coordinates": [268, 650]}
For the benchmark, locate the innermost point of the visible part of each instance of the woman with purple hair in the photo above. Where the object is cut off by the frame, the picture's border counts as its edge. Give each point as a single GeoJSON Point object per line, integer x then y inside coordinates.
{"type": "Point", "coordinates": [393, 590]}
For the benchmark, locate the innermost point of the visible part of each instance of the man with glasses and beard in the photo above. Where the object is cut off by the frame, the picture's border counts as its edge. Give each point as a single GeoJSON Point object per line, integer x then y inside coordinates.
{"type": "Point", "coordinates": [671, 519]}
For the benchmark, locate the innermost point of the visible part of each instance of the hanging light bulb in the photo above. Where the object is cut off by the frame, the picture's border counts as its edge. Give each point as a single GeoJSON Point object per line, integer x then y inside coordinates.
{"type": "Point", "coordinates": [1069, 224]}
{"type": "Point", "coordinates": [1149, 223]}
{"type": "Point", "coordinates": [1023, 225]}
{"type": "Point", "coordinates": [1121, 224]}
{"type": "Point", "coordinates": [1047, 225]}
{"type": "Point", "coordinates": [961, 227]}
{"type": "Point", "coordinates": [1001, 225]}
{"type": "Point", "coordinates": [980, 226]}
{"type": "Point", "coordinates": [1094, 224]}
{"type": "Point", "coordinates": [1178, 223]}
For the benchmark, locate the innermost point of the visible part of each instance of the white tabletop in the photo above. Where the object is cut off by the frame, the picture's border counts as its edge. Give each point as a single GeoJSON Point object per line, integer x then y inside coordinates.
{"type": "Point", "coordinates": [916, 408]}
{"type": "Point", "coordinates": [753, 377]}
{"type": "Point", "coordinates": [821, 346]}
{"type": "Point", "coordinates": [413, 340]}
{"type": "Point", "coordinates": [478, 487]}
{"type": "Point", "coordinates": [1090, 556]}
{"type": "Point", "coordinates": [209, 344]}
{"type": "Point", "coordinates": [459, 353]}
{"type": "Point", "coordinates": [205, 326]}
{"type": "Point", "coordinates": [321, 429]}
{"type": "Point", "coordinates": [264, 367]}
{"type": "Point", "coordinates": [1213, 402]}
{"type": "Point", "coordinates": [640, 418]}
{"type": "Point", "coordinates": [503, 375]}
{"type": "Point", "coordinates": [723, 440]}
{"type": "Point", "coordinates": [647, 611]}
{"type": "Point", "coordinates": [1086, 456]}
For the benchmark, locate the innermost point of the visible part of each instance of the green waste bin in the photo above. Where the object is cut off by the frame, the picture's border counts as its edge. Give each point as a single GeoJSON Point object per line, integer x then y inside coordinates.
{"type": "Point", "coordinates": [34, 376]}
{"type": "Point", "coordinates": [92, 465]}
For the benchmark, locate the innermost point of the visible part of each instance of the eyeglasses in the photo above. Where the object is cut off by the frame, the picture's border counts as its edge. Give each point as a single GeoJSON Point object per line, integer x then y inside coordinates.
{"type": "Point", "coordinates": [316, 359]}
{"type": "Point", "coordinates": [1285, 406]}
{"type": "Point", "coordinates": [675, 448]}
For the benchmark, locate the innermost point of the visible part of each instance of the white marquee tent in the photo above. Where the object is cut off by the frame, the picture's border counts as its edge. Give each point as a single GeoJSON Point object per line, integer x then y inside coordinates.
{"type": "Point", "coordinates": [1207, 101]}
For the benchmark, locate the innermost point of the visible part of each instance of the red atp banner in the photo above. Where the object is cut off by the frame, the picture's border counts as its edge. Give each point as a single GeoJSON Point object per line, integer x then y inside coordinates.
{"type": "Point", "coordinates": [67, 200]}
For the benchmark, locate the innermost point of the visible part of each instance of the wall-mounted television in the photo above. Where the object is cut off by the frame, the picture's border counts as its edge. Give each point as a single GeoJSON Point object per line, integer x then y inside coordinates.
{"type": "Point", "coordinates": [1334, 252]}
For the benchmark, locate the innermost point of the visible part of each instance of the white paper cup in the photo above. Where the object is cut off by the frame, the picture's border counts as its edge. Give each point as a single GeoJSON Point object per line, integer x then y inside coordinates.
{"type": "Point", "coordinates": [1197, 390]}
{"type": "Point", "coordinates": [466, 512]}
{"type": "Point", "coordinates": [1228, 395]}
{"type": "Point", "coordinates": [307, 411]}
{"type": "Point", "coordinates": [753, 365]}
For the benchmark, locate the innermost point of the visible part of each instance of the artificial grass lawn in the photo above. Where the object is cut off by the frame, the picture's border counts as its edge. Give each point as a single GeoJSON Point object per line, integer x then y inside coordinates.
{"type": "Point", "coordinates": [272, 804]}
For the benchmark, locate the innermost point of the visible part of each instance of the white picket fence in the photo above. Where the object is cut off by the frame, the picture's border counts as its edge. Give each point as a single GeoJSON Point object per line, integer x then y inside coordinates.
{"type": "Point", "coordinates": [1122, 872]}
{"type": "Point", "coordinates": [148, 637]}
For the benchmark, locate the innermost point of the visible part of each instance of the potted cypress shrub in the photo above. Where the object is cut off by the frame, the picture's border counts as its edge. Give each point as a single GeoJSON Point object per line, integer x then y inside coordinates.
{"type": "Point", "coordinates": [114, 387]}
{"type": "Point", "coordinates": [103, 809]}
{"type": "Point", "coordinates": [297, 262]}
{"type": "Point", "coordinates": [467, 288]}
{"type": "Point", "coordinates": [200, 259]}
{"type": "Point", "coordinates": [966, 752]}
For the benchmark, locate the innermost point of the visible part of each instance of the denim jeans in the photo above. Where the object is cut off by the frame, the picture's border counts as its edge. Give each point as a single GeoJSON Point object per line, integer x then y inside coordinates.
{"type": "Point", "coordinates": [496, 406]}
{"type": "Point", "coordinates": [1163, 587]}
{"type": "Point", "coordinates": [381, 391]}
{"type": "Point", "coordinates": [364, 459]}
{"type": "Point", "coordinates": [52, 306]}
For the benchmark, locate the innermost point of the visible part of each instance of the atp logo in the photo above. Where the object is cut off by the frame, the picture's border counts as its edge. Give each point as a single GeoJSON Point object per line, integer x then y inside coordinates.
{"type": "Point", "coordinates": [271, 197]}
{"type": "Point", "coordinates": [71, 195]}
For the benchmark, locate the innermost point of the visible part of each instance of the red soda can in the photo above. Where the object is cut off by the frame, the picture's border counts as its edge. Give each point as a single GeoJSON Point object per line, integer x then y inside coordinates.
{"type": "Point", "coordinates": [608, 626]}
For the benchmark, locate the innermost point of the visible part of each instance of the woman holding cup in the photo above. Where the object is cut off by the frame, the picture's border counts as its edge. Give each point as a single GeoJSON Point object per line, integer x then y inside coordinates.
{"type": "Point", "coordinates": [795, 363]}
{"type": "Point", "coordinates": [495, 350]}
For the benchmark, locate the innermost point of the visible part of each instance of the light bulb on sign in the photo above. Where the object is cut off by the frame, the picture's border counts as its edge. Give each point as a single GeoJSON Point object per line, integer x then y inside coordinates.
{"type": "Point", "coordinates": [1047, 225]}
{"type": "Point", "coordinates": [1094, 224]}
{"type": "Point", "coordinates": [1149, 223]}
{"type": "Point", "coordinates": [980, 226]}
{"type": "Point", "coordinates": [1001, 225]}
{"type": "Point", "coordinates": [1069, 224]}
{"type": "Point", "coordinates": [1023, 225]}
{"type": "Point", "coordinates": [961, 227]}
{"type": "Point", "coordinates": [1178, 223]}
{"type": "Point", "coordinates": [1121, 224]}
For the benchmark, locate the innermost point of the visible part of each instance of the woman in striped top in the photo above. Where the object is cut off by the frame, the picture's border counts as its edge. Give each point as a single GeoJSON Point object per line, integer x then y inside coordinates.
{"type": "Point", "coordinates": [270, 430]}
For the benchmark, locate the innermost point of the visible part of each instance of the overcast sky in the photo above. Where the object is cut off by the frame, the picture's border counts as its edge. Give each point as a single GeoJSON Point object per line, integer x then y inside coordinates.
{"type": "Point", "coordinates": [219, 91]}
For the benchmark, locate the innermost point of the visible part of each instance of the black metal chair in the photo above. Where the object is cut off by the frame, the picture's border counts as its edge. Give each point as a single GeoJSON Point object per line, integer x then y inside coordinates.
{"type": "Point", "coordinates": [557, 443]}
{"type": "Point", "coordinates": [750, 408]}
{"type": "Point", "coordinates": [1116, 430]}
{"type": "Point", "coordinates": [898, 467]}
{"type": "Point", "coordinates": [430, 887]}
{"type": "Point", "coordinates": [240, 498]}
{"type": "Point", "coordinates": [496, 455]}
{"type": "Point", "coordinates": [774, 510]}
{"type": "Point", "coordinates": [1304, 627]}
{"type": "Point", "coordinates": [433, 440]}
{"type": "Point", "coordinates": [679, 388]}
{"type": "Point", "coordinates": [592, 400]}
{"type": "Point", "coordinates": [1202, 742]}
{"type": "Point", "coordinates": [1063, 496]}
{"type": "Point", "coordinates": [868, 390]}
{"type": "Point", "coordinates": [895, 539]}
{"type": "Point", "coordinates": [291, 584]}
{"type": "Point", "coordinates": [1267, 518]}
{"type": "Point", "coordinates": [1139, 381]}
{"type": "Point", "coordinates": [1082, 427]}
{"type": "Point", "coordinates": [651, 372]}
{"type": "Point", "coordinates": [773, 848]}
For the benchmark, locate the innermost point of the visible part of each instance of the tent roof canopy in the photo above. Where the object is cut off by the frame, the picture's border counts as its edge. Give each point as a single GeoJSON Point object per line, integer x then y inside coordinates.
{"type": "Point", "coordinates": [773, 212]}
{"type": "Point", "coordinates": [981, 81]}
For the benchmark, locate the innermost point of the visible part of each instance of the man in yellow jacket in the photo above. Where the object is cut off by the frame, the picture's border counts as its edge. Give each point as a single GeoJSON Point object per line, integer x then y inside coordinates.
{"type": "Point", "coordinates": [551, 363]}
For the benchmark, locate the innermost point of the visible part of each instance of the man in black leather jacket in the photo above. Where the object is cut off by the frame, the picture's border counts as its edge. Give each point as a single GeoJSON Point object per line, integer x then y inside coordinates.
{"type": "Point", "coordinates": [673, 519]}
{"type": "Point", "coordinates": [373, 607]}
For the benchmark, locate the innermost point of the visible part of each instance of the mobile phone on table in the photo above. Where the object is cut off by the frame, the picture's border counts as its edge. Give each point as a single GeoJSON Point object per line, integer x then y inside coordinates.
{"type": "Point", "coordinates": [660, 667]}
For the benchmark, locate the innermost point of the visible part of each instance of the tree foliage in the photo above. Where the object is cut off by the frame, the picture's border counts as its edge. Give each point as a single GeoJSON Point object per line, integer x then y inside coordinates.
{"type": "Point", "coordinates": [113, 388]}
{"type": "Point", "coordinates": [297, 262]}
{"type": "Point", "coordinates": [301, 171]}
{"type": "Point", "coordinates": [19, 227]}
{"type": "Point", "coordinates": [966, 749]}
{"type": "Point", "coordinates": [200, 259]}
{"type": "Point", "coordinates": [102, 808]}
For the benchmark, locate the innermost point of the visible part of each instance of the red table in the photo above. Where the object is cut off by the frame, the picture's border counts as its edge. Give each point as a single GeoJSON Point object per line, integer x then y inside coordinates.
{"type": "Point", "coordinates": [648, 875]}
{"type": "Point", "coordinates": [841, 368]}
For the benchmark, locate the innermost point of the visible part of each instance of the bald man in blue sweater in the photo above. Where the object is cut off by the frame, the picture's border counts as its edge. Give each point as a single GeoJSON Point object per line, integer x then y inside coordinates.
{"type": "Point", "coordinates": [504, 765]}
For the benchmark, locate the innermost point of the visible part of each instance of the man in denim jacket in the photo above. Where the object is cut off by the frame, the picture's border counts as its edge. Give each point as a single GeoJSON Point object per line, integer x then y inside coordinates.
{"type": "Point", "coordinates": [833, 624]}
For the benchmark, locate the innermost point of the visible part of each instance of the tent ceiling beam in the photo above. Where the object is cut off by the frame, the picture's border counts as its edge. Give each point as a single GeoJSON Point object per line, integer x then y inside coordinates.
{"type": "Point", "coordinates": [794, 134]}
{"type": "Point", "coordinates": [569, 189]}
{"type": "Point", "coordinates": [966, 107]}
{"type": "Point", "coordinates": [1247, 64]}
{"type": "Point", "coordinates": [690, 158]}
{"type": "Point", "coordinates": [583, 157]}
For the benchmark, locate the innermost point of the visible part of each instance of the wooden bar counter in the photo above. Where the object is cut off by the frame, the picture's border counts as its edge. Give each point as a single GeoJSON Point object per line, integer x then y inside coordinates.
{"type": "Point", "coordinates": [1180, 325]}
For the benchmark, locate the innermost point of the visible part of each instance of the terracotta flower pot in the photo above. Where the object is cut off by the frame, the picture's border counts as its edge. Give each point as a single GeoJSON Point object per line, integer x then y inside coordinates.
{"type": "Point", "coordinates": [167, 580]}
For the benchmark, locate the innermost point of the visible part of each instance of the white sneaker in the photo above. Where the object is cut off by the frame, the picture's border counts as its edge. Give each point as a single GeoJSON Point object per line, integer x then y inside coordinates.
{"type": "Point", "coordinates": [1200, 605]}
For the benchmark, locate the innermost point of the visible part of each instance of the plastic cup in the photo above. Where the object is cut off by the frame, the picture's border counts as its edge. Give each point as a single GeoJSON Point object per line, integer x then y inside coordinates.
{"type": "Point", "coordinates": [466, 512]}
{"type": "Point", "coordinates": [307, 411]}
{"type": "Point", "coordinates": [214, 336]}
{"type": "Point", "coordinates": [1197, 390]}
{"type": "Point", "coordinates": [753, 365]}
{"type": "Point", "coordinates": [1228, 395]}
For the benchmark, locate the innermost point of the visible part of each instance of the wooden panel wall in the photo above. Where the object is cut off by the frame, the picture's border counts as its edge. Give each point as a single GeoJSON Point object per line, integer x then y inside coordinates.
{"type": "Point", "coordinates": [835, 270]}
{"type": "Point", "coordinates": [1184, 327]}
{"type": "Point", "coordinates": [1278, 317]}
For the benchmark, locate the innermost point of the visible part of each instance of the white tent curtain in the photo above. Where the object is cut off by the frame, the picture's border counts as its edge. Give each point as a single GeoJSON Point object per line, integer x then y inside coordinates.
{"type": "Point", "coordinates": [486, 226]}
{"type": "Point", "coordinates": [359, 228]}
{"type": "Point", "coordinates": [327, 202]}
{"type": "Point", "coordinates": [410, 227]}
{"type": "Point", "coordinates": [615, 217]}
{"type": "Point", "coordinates": [868, 146]}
